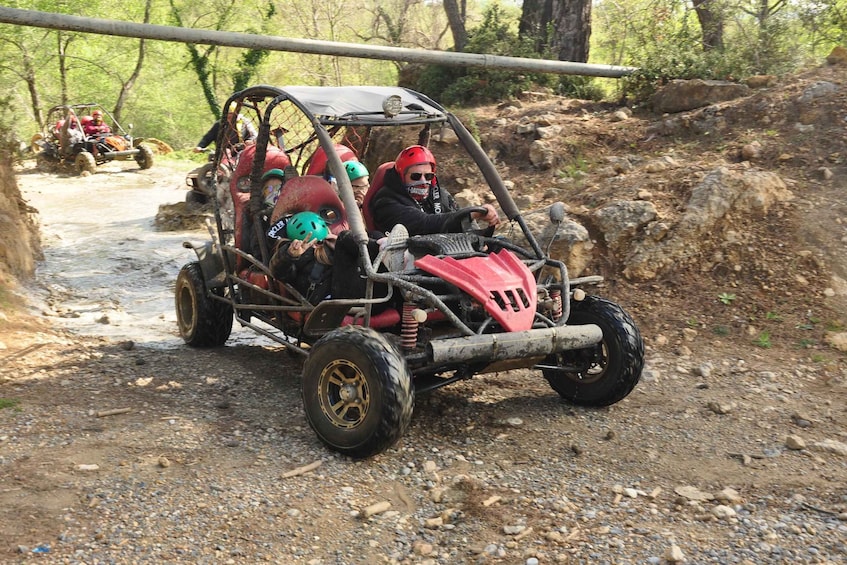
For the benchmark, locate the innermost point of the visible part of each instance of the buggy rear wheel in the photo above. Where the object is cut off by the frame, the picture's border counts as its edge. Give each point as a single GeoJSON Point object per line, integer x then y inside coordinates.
{"type": "Point", "coordinates": [607, 372]}
{"type": "Point", "coordinates": [357, 391]}
{"type": "Point", "coordinates": [202, 320]}
{"type": "Point", "coordinates": [85, 163]}
{"type": "Point", "coordinates": [43, 163]}
{"type": "Point", "coordinates": [144, 157]}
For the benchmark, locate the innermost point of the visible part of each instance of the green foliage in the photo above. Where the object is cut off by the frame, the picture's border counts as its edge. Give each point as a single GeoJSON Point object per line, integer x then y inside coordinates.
{"type": "Point", "coordinates": [763, 340]}
{"type": "Point", "coordinates": [8, 403]}
{"type": "Point", "coordinates": [583, 88]}
{"type": "Point", "coordinates": [726, 297]}
{"type": "Point", "coordinates": [496, 35]}
{"type": "Point", "coordinates": [720, 330]}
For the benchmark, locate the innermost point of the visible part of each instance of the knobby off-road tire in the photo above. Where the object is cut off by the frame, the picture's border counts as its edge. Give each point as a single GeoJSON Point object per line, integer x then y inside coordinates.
{"type": "Point", "coordinates": [603, 374]}
{"type": "Point", "coordinates": [85, 163]}
{"type": "Point", "coordinates": [202, 321]}
{"type": "Point", "coordinates": [357, 391]}
{"type": "Point", "coordinates": [144, 157]}
{"type": "Point", "coordinates": [44, 163]}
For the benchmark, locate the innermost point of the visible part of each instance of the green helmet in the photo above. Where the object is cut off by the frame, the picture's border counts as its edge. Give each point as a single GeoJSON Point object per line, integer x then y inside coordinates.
{"type": "Point", "coordinates": [302, 224]}
{"type": "Point", "coordinates": [278, 173]}
{"type": "Point", "coordinates": [355, 170]}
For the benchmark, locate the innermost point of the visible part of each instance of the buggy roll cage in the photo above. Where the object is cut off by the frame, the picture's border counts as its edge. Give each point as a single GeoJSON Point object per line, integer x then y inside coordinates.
{"type": "Point", "coordinates": [417, 110]}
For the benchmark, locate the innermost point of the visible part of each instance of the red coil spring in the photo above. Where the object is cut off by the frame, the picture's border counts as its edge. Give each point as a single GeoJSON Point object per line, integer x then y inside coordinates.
{"type": "Point", "coordinates": [556, 295]}
{"type": "Point", "coordinates": [409, 329]}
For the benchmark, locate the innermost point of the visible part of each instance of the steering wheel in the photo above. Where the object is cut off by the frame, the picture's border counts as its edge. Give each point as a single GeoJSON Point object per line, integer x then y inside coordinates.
{"type": "Point", "coordinates": [470, 225]}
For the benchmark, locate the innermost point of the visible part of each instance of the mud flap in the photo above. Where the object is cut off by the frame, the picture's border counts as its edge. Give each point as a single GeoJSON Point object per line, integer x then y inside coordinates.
{"type": "Point", "coordinates": [210, 263]}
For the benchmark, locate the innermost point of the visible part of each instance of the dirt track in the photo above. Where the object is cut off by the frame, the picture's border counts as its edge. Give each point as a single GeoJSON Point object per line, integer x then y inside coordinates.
{"type": "Point", "coordinates": [723, 453]}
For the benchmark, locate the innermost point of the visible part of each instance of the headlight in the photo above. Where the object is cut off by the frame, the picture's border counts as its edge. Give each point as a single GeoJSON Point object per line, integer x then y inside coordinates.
{"type": "Point", "coordinates": [392, 106]}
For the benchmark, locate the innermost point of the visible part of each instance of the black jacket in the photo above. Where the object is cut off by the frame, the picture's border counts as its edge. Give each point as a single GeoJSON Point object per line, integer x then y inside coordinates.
{"type": "Point", "coordinates": [344, 278]}
{"type": "Point", "coordinates": [392, 205]}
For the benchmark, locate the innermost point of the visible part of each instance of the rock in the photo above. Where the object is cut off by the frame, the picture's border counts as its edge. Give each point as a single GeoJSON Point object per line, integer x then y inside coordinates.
{"type": "Point", "coordinates": [816, 91]}
{"type": "Point", "coordinates": [620, 221]}
{"type": "Point", "coordinates": [693, 493]}
{"type": "Point", "coordinates": [838, 340]}
{"type": "Point", "coordinates": [728, 495]}
{"type": "Point", "coordinates": [681, 95]}
{"type": "Point", "coordinates": [761, 81]}
{"type": "Point", "coordinates": [795, 442]}
{"type": "Point", "coordinates": [618, 116]}
{"type": "Point", "coordinates": [674, 554]}
{"type": "Point", "coordinates": [723, 512]}
{"type": "Point", "coordinates": [751, 151]}
{"type": "Point", "coordinates": [548, 132]}
{"type": "Point", "coordinates": [838, 56]}
{"type": "Point", "coordinates": [831, 446]}
{"type": "Point", "coordinates": [541, 155]}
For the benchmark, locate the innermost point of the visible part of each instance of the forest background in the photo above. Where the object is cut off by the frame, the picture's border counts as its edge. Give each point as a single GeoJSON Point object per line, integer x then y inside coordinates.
{"type": "Point", "coordinates": [173, 91]}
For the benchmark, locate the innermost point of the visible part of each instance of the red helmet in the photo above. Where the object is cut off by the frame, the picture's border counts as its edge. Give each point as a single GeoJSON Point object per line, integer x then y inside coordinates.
{"type": "Point", "coordinates": [97, 113]}
{"type": "Point", "coordinates": [411, 156]}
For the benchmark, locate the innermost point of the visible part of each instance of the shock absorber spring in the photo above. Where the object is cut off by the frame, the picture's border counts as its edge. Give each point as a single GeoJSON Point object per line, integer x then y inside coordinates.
{"type": "Point", "coordinates": [556, 295]}
{"type": "Point", "coordinates": [409, 328]}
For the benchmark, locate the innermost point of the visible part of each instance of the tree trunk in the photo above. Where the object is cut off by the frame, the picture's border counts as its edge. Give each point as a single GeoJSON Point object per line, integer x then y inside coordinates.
{"type": "Point", "coordinates": [535, 15]}
{"type": "Point", "coordinates": [200, 62]}
{"type": "Point", "coordinates": [569, 21]}
{"type": "Point", "coordinates": [62, 42]}
{"type": "Point", "coordinates": [571, 30]}
{"type": "Point", "coordinates": [711, 24]}
{"type": "Point", "coordinates": [456, 19]}
{"type": "Point", "coordinates": [29, 78]}
{"type": "Point", "coordinates": [128, 83]}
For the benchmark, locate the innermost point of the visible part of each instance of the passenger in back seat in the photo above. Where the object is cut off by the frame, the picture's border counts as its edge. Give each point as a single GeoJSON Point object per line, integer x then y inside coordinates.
{"type": "Point", "coordinates": [319, 264]}
{"type": "Point", "coordinates": [411, 196]}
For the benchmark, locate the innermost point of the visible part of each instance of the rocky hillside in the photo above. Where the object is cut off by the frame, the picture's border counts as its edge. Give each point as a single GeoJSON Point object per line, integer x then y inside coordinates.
{"type": "Point", "coordinates": [726, 220]}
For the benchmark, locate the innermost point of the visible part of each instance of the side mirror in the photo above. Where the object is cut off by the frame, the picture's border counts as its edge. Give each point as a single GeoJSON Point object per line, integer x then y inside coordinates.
{"type": "Point", "coordinates": [557, 213]}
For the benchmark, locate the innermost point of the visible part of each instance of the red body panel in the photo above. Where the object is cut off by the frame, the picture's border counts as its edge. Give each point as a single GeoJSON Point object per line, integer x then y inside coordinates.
{"type": "Point", "coordinates": [499, 281]}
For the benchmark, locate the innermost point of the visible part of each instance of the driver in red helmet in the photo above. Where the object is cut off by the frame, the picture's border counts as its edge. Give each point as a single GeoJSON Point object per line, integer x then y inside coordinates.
{"type": "Point", "coordinates": [411, 196]}
{"type": "Point", "coordinates": [96, 126]}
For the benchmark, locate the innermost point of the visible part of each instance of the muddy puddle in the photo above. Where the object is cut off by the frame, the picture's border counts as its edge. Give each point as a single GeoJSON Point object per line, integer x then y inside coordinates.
{"type": "Point", "coordinates": [107, 270]}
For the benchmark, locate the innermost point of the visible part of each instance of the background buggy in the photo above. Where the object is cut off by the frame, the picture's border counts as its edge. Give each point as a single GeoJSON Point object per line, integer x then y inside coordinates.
{"type": "Point", "coordinates": [64, 145]}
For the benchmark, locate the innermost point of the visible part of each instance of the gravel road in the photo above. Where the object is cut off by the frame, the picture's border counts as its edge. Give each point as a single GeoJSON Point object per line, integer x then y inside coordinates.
{"type": "Point", "coordinates": [115, 450]}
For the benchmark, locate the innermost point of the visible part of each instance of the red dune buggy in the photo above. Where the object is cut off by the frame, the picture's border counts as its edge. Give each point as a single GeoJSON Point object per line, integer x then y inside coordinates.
{"type": "Point", "coordinates": [70, 144]}
{"type": "Point", "coordinates": [461, 304]}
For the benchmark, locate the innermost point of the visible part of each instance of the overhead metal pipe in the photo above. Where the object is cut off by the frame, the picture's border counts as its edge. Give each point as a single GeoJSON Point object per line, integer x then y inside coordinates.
{"type": "Point", "coordinates": [67, 22]}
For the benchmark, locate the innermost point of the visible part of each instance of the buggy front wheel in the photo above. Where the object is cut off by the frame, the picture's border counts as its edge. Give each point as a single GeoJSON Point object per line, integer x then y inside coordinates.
{"type": "Point", "coordinates": [202, 320]}
{"type": "Point", "coordinates": [605, 373]}
{"type": "Point", "coordinates": [144, 157]}
{"type": "Point", "coordinates": [85, 163]}
{"type": "Point", "coordinates": [357, 391]}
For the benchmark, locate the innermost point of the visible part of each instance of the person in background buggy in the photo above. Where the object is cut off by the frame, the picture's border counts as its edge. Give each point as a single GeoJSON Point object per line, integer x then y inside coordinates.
{"type": "Point", "coordinates": [242, 132]}
{"type": "Point", "coordinates": [411, 196]}
{"type": "Point", "coordinates": [95, 124]}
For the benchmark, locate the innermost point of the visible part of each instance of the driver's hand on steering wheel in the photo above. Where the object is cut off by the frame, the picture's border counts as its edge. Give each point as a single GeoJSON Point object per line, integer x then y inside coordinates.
{"type": "Point", "coordinates": [489, 216]}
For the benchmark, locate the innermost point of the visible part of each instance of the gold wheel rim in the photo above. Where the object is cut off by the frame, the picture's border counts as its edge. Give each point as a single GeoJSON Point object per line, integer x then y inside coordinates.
{"type": "Point", "coordinates": [344, 394]}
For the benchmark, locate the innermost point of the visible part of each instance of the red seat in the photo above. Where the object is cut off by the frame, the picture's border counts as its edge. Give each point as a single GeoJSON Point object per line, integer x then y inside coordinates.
{"type": "Point", "coordinates": [275, 158]}
{"type": "Point", "coordinates": [317, 164]}
{"type": "Point", "coordinates": [377, 182]}
{"type": "Point", "coordinates": [313, 194]}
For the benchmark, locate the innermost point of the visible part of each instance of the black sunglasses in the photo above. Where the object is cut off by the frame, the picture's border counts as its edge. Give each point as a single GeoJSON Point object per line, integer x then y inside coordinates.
{"type": "Point", "coordinates": [417, 176]}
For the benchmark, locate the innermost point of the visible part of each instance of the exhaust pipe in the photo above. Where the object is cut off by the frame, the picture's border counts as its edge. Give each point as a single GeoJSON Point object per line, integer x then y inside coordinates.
{"type": "Point", "coordinates": [127, 153]}
{"type": "Point", "coordinates": [514, 345]}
